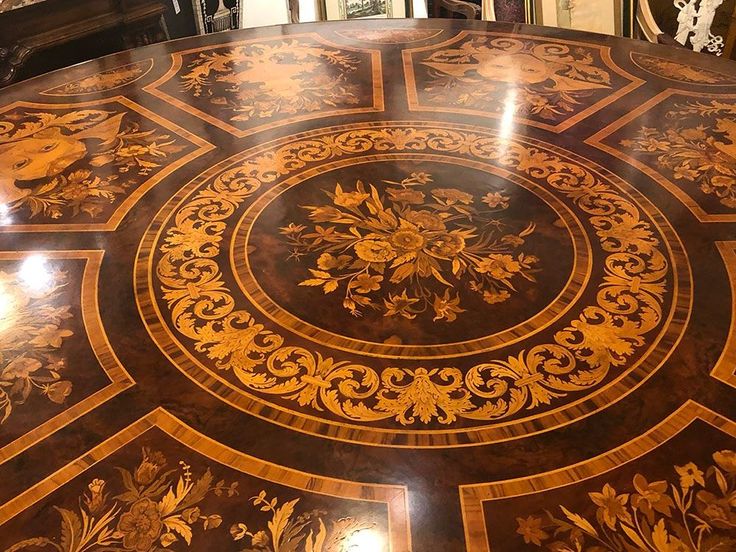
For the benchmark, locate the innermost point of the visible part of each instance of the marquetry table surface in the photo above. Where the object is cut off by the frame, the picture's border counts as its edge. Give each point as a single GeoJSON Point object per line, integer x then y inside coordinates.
{"type": "Point", "coordinates": [370, 286]}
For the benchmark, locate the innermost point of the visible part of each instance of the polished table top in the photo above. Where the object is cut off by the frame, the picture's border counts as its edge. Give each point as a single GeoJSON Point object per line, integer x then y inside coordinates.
{"type": "Point", "coordinates": [388, 285]}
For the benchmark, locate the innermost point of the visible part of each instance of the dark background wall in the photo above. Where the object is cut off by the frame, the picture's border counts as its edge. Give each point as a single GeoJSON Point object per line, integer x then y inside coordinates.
{"type": "Point", "coordinates": [19, 26]}
{"type": "Point", "coordinates": [182, 24]}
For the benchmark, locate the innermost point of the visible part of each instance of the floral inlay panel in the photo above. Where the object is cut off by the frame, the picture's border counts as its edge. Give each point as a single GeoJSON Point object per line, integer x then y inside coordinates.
{"type": "Point", "coordinates": [410, 263]}
{"type": "Point", "coordinates": [391, 242]}
{"type": "Point", "coordinates": [155, 494]}
{"type": "Point", "coordinates": [680, 72]}
{"type": "Point", "coordinates": [695, 148]}
{"type": "Point", "coordinates": [390, 36]}
{"type": "Point", "coordinates": [103, 81]}
{"type": "Point", "coordinates": [490, 264]}
{"type": "Point", "coordinates": [55, 361]}
{"type": "Point", "coordinates": [84, 165]}
{"type": "Point", "coordinates": [548, 84]}
{"type": "Point", "coordinates": [691, 510]}
{"type": "Point", "coordinates": [244, 87]}
{"type": "Point", "coordinates": [600, 338]}
{"type": "Point", "coordinates": [669, 489]}
{"type": "Point", "coordinates": [33, 330]}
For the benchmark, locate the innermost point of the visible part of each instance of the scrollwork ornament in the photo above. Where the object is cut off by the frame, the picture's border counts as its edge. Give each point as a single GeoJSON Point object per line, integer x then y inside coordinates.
{"type": "Point", "coordinates": [603, 339]}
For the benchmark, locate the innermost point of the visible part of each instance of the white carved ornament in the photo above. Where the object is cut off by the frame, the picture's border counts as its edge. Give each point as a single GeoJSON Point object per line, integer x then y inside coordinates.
{"type": "Point", "coordinates": [695, 21]}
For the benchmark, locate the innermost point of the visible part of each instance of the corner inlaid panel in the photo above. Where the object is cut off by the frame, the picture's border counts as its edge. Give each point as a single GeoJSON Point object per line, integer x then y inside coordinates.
{"type": "Point", "coordinates": [391, 35]}
{"type": "Point", "coordinates": [103, 81]}
{"type": "Point", "coordinates": [408, 265]}
{"type": "Point", "coordinates": [666, 490]}
{"type": "Point", "coordinates": [725, 368]}
{"type": "Point", "coordinates": [258, 84]}
{"type": "Point", "coordinates": [82, 167]}
{"type": "Point", "coordinates": [56, 362]}
{"type": "Point", "coordinates": [548, 84]}
{"type": "Point", "coordinates": [687, 144]}
{"type": "Point", "coordinates": [159, 484]}
{"type": "Point", "coordinates": [681, 73]}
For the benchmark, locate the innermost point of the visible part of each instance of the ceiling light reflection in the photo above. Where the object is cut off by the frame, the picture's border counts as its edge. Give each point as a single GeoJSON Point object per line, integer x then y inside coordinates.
{"type": "Point", "coordinates": [35, 274]}
{"type": "Point", "coordinates": [367, 540]}
{"type": "Point", "coordinates": [5, 217]}
{"type": "Point", "coordinates": [6, 306]}
{"type": "Point", "coordinates": [507, 118]}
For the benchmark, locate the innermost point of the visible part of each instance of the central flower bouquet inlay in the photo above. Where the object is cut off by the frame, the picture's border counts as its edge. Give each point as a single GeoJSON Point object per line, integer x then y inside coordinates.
{"type": "Point", "coordinates": [388, 250]}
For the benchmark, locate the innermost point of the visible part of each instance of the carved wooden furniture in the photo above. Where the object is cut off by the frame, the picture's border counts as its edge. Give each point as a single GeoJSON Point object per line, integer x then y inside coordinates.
{"type": "Point", "coordinates": [437, 285]}
{"type": "Point", "coordinates": [456, 9]}
{"type": "Point", "coordinates": [28, 31]}
{"type": "Point", "coordinates": [8, 5]}
{"type": "Point", "coordinates": [703, 25]}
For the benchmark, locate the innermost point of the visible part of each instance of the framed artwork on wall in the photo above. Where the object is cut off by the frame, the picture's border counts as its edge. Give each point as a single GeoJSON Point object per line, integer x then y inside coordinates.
{"type": "Point", "coordinates": [366, 9]}
{"type": "Point", "coordinates": [612, 17]}
{"type": "Point", "coordinates": [212, 16]}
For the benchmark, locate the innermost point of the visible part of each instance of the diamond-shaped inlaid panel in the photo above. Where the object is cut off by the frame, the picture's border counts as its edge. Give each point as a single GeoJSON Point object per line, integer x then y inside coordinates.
{"type": "Point", "coordinates": [687, 144]}
{"type": "Point", "coordinates": [550, 84]}
{"type": "Point", "coordinates": [160, 484]}
{"type": "Point", "coordinates": [82, 167]}
{"type": "Point", "coordinates": [244, 87]}
{"type": "Point", "coordinates": [56, 363]}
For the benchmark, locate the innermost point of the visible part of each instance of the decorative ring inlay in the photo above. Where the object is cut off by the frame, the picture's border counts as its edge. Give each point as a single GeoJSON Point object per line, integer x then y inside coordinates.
{"type": "Point", "coordinates": [600, 349]}
{"type": "Point", "coordinates": [248, 281]}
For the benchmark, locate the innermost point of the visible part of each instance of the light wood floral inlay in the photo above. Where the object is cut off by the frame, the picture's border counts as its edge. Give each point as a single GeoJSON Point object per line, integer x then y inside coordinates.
{"type": "Point", "coordinates": [162, 505]}
{"type": "Point", "coordinates": [103, 81]}
{"type": "Point", "coordinates": [695, 147]}
{"type": "Point", "coordinates": [554, 78]}
{"type": "Point", "coordinates": [33, 329]}
{"type": "Point", "coordinates": [682, 72]}
{"type": "Point", "coordinates": [694, 512]}
{"type": "Point", "coordinates": [78, 164]}
{"type": "Point", "coordinates": [392, 241]}
{"type": "Point", "coordinates": [552, 85]}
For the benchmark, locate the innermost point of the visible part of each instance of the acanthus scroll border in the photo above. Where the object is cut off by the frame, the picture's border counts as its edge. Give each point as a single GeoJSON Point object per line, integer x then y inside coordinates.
{"type": "Point", "coordinates": [629, 302]}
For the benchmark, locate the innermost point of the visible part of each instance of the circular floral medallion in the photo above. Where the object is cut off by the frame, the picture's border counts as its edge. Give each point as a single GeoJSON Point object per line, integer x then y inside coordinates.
{"type": "Point", "coordinates": [410, 266]}
{"type": "Point", "coordinates": [408, 284]}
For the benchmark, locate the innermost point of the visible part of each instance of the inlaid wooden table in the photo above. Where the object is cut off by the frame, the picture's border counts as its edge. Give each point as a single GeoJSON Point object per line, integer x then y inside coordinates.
{"type": "Point", "coordinates": [370, 286]}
